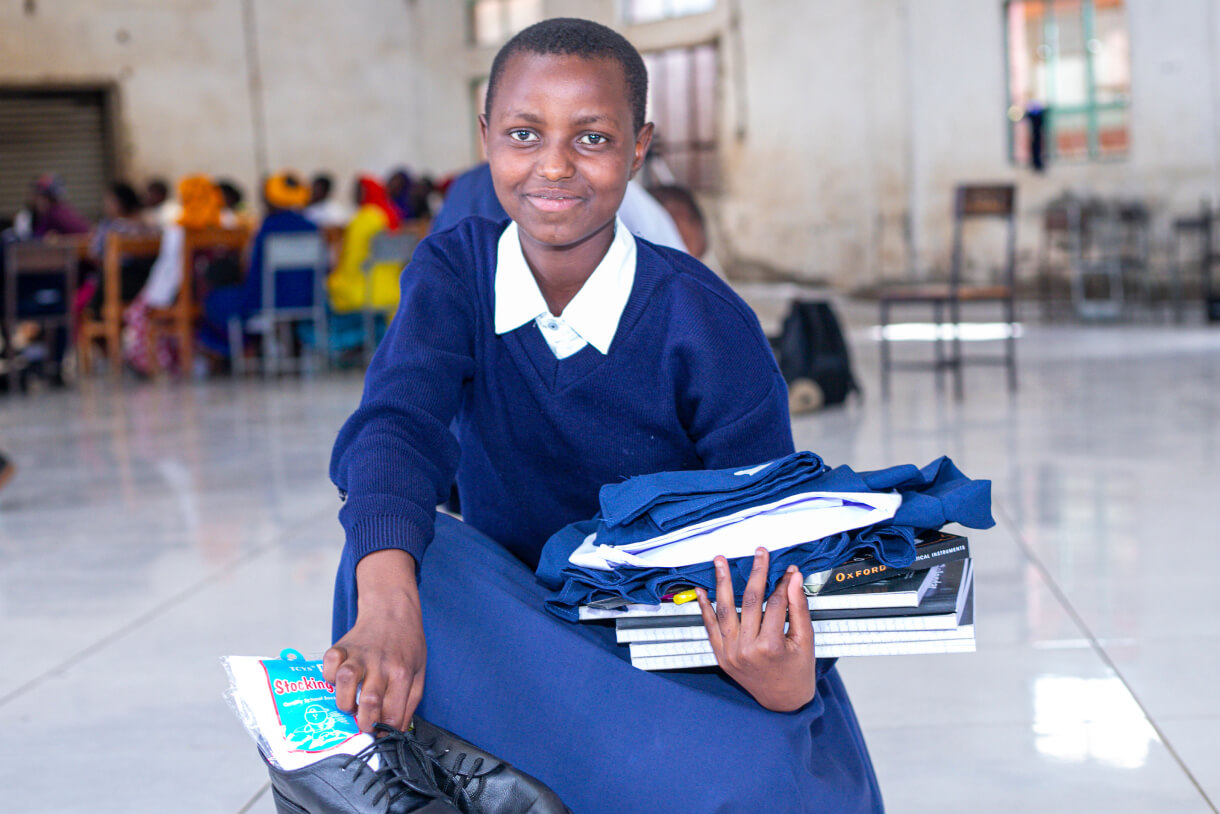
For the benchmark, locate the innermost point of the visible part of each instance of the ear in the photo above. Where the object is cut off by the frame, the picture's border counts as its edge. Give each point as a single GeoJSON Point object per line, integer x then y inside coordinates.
{"type": "Point", "coordinates": [642, 141]}
{"type": "Point", "coordinates": [483, 131]}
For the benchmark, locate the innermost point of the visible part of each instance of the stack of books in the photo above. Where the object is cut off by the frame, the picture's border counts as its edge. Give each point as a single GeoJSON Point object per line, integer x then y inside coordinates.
{"type": "Point", "coordinates": [858, 609]}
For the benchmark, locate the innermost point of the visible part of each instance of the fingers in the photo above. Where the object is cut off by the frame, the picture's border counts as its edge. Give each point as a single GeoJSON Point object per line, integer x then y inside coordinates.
{"type": "Point", "coordinates": [413, 699]}
{"type": "Point", "coordinates": [397, 690]}
{"type": "Point", "coordinates": [726, 603]}
{"type": "Point", "coordinates": [800, 625]}
{"type": "Point", "coordinates": [372, 700]}
{"type": "Point", "coordinates": [752, 599]}
{"type": "Point", "coordinates": [710, 623]}
{"type": "Point", "coordinates": [777, 607]}
{"type": "Point", "coordinates": [346, 673]}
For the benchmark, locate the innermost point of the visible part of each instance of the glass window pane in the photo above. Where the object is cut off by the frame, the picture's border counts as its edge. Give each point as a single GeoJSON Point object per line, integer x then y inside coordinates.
{"type": "Point", "coordinates": [644, 11]}
{"type": "Point", "coordinates": [1113, 131]}
{"type": "Point", "coordinates": [522, 13]}
{"type": "Point", "coordinates": [488, 22]}
{"type": "Point", "coordinates": [1070, 83]}
{"type": "Point", "coordinates": [1111, 50]}
{"type": "Point", "coordinates": [1070, 135]}
{"type": "Point", "coordinates": [705, 93]}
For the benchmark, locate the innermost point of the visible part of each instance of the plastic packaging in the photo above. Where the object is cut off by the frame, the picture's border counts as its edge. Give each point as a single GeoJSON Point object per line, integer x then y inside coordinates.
{"type": "Point", "coordinates": [289, 709]}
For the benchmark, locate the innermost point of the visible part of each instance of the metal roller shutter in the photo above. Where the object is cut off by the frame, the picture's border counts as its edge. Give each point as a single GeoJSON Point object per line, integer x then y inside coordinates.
{"type": "Point", "coordinates": [65, 132]}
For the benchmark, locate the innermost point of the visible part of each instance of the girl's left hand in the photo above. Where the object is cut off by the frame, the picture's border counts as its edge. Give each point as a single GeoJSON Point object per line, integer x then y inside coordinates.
{"type": "Point", "coordinates": [777, 668]}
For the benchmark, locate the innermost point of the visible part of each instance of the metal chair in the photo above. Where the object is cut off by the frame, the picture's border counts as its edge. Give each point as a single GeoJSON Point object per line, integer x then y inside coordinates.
{"type": "Point", "coordinates": [386, 247]}
{"type": "Point", "coordinates": [26, 260]}
{"type": "Point", "coordinates": [971, 201]}
{"type": "Point", "coordinates": [1202, 229]}
{"type": "Point", "coordinates": [284, 254]}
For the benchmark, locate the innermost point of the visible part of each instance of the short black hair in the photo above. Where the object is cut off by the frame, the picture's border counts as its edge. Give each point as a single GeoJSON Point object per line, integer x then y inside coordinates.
{"type": "Point", "coordinates": [323, 180]}
{"type": "Point", "coordinates": [125, 194]}
{"type": "Point", "coordinates": [571, 36]}
{"type": "Point", "coordinates": [231, 193]}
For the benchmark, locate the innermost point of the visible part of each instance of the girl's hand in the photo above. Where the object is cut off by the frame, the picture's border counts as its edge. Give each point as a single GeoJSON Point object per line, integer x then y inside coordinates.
{"type": "Point", "coordinates": [381, 659]}
{"type": "Point", "coordinates": [778, 669]}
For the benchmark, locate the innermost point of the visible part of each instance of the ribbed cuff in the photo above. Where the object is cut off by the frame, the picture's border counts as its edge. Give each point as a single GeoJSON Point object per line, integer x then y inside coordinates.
{"type": "Point", "coordinates": [379, 532]}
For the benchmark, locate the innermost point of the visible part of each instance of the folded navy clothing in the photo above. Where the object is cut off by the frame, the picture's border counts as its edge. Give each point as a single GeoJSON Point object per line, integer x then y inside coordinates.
{"type": "Point", "coordinates": [931, 497]}
{"type": "Point", "coordinates": [646, 506]}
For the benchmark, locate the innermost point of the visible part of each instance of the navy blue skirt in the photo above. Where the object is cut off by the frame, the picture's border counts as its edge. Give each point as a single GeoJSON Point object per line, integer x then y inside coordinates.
{"type": "Point", "coordinates": [561, 701]}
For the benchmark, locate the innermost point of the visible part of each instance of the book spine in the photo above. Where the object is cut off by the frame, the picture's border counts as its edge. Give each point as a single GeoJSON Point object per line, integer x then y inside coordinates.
{"type": "Point", "coordinates": [694, 631]}
{"type": "Point", "coordinates": [822, 643]}
{"type": "Point", "coordinates": [688, 661]}
{"type": "Point", "coordinates": [853, 574]}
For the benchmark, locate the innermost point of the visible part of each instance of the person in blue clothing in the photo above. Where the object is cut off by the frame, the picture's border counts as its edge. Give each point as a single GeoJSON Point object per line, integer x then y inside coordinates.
{"type": "Point", "coordinates": [284, 197]}
{"type": "Point", "coordinates": [565, 354]}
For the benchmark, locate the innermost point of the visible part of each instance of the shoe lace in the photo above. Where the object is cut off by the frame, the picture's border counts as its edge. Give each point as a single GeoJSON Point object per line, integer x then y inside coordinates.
{"type": "Point", "coordinates": [394, 779]}
{"type": "Point", "coordinates": [455, 782]}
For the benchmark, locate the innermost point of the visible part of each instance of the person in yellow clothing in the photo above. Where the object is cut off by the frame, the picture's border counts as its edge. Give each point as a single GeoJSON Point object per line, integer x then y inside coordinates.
{"type": "Point", "coordinates": [348, 286]}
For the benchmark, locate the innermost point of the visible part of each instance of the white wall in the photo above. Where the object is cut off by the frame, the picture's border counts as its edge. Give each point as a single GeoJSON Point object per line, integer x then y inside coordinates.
{"type": "Point", "coordinates": [858, 116]}
{"type": "Point", "coordinates": [340, 80]}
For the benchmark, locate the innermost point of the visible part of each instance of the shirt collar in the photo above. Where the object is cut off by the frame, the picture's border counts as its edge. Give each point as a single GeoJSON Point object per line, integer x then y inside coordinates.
{"type": "Point", "coordinates": [594, 312]}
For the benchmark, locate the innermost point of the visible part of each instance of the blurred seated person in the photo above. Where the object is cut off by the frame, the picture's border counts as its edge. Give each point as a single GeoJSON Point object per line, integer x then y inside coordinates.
{"type": "Point", "coordinates": [51, 212]}
{"type": "Point", "coordinates": [121, 214]}
{"type": "Point", "coordinates": [347, 286]}
{"type": "Point", "coordinates": [398, 190]}
{"type": "Point", "coordinates": [687, 216]}
{"type": "Point", "coordinates": [235, 202]}
{"type": "Point", "coordinates": [472, 193]}
{"type": "Point", "coordinates": [159, 209]}
{"type": "Point", "coordinates": [323, 209]}
{"type": "Point", "coordinates": [202, 206]}
{"type": "Point", "coordinates": [284, 198]}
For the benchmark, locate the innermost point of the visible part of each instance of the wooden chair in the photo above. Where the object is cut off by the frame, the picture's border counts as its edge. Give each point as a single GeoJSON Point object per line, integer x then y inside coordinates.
{"type": "Point", "coordinates": [179, 318]}
{"type": "Point", "coordinates": [24, 260]}
{"type": "Point", "coordinates": [108, 325]}
{"type": "Point", "coordinates": [971, 201]}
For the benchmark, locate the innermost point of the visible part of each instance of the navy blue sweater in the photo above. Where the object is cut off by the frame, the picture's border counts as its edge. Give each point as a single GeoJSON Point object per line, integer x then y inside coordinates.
{"type": "Point", "coordinates": [689, 382]}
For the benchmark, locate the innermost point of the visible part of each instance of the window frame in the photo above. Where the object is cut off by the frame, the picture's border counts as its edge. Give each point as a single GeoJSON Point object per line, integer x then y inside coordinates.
{"type": "Point", "coordinates": [1091, 109]}
{"type": "Point", "coordinates": [709, 147]}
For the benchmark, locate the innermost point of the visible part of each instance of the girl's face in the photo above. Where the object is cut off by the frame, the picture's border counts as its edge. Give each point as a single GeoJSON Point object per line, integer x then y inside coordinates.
{"type": "Point", "coordinates": [561, 145]}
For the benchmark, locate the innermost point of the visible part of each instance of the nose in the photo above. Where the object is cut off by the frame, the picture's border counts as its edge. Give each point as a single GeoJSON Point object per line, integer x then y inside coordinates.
{"type": "Point", "coordinates": [555, 161]}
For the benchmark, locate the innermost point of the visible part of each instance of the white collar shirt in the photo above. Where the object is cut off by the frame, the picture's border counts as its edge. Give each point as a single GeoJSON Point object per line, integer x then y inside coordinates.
{"type": "Point", "coordinates": [593, 315]}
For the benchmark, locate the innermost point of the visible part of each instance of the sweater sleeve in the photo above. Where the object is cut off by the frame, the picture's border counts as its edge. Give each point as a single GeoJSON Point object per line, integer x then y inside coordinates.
{"type": "Point", "coordinates": [395, 457]}
{"type": "Point", "coordinates": [732, 398]}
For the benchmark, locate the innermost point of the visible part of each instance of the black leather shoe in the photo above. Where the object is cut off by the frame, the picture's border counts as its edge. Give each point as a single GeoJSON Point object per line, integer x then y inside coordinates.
{"type": "Point", "coordinates": [480, 783]}
{"type": "Point", "coordinates": [404, 782]}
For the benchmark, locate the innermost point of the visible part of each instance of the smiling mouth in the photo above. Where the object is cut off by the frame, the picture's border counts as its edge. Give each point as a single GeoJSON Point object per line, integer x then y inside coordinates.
{"type": "Point", "coordinates": [552, 201]}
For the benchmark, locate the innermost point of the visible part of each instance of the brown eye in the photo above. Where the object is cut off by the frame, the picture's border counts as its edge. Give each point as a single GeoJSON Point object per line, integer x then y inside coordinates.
{"type": "Point", "coordinates": [593, 139]}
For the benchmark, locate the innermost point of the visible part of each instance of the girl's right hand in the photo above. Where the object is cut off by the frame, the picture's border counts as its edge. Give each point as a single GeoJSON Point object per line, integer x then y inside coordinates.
{"type": "Point", "coordinates": [775, 667]}
{"type": "Point", "coordinates": [381, 660]}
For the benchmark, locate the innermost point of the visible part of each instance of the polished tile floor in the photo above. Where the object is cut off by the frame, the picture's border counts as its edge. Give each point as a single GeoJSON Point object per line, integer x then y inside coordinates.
{"type": "Point", "coordinates": [152, 529]}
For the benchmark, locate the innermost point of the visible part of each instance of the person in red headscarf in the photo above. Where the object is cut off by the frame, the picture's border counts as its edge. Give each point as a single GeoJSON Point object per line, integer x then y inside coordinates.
{"type": "Point", "coordinates": [348, 286]}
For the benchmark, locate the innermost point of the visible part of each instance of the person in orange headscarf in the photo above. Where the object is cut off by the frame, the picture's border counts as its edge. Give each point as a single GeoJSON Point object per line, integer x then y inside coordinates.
{"type": "Point", "coordinates": [203, 205]}
{"type": "Point", "coordinates": [348, 286]}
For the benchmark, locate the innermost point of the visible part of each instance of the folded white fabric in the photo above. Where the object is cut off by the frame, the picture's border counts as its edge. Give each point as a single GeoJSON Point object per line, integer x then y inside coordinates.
{"type": "Point", "coordinates": [289, 709]}
{"type": "Point", "coordinates": [791, 521]}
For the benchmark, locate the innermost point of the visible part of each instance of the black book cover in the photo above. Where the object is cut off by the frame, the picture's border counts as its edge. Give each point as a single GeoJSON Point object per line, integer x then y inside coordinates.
{"type": "Point", "coordinates": [931, 548]}
{"type": "Point", "coordinates": [945, 595]}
